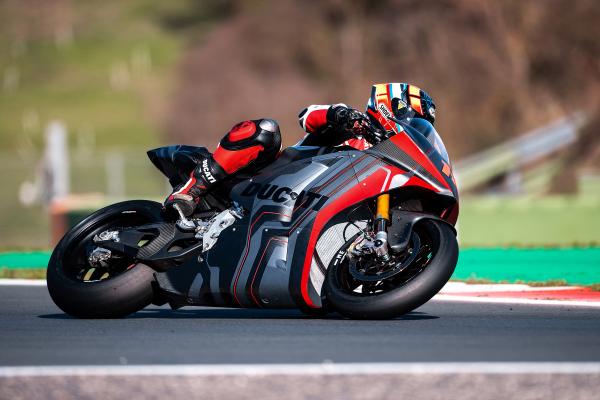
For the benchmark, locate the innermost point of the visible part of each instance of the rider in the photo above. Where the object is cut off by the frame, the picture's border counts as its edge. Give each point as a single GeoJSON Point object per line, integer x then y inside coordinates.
{"type": "Point", "coordinates": [253, 144]}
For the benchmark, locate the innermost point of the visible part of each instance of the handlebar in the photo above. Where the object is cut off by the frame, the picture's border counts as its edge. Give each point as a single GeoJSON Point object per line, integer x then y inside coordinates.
{"type": "Point", "coordinates": [370, 131]}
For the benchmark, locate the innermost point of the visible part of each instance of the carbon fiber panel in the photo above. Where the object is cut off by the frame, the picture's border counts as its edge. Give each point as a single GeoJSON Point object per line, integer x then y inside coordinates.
{"type": "Point", "coordinates": [389, 149]}
{"type": "Point", "coordinates": [166, 234]}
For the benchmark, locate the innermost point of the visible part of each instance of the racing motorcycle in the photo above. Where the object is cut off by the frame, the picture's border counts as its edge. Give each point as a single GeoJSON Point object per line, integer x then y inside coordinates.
{"type": "Point", "coordinates": [369, 234]}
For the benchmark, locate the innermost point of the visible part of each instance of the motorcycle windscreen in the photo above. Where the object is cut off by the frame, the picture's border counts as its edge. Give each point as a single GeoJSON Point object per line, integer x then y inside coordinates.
{"type": "Point", "coordinates": [425, 136]}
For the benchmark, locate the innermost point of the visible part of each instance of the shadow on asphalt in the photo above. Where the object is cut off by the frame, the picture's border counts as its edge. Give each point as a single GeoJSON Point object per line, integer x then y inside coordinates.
{"type": "Point", "coordinates": [230, 313]}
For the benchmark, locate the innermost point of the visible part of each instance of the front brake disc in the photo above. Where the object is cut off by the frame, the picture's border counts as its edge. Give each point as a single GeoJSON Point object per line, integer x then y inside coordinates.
{"type": "Point", "coordinates": [372, 270]}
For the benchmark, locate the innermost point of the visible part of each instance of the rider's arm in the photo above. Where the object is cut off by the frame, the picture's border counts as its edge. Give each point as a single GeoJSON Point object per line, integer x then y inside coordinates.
{"type": "Point", "coordinates": [313, 119]}
{"type": "Point", "coordinates": [326, 125]}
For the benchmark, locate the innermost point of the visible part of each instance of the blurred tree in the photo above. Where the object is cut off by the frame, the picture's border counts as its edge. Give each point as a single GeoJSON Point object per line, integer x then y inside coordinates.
{"type": "Point", "coordinates": [495, 68]}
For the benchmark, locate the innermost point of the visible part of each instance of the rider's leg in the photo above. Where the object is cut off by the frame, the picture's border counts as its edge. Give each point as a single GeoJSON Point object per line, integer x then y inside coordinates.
{"type": "Point", "coordinates": [248, 144]}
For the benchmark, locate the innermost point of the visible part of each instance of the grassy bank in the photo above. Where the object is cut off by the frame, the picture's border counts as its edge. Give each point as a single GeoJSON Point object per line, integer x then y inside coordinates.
{"type": "Point", "coordinates": [518, 221]}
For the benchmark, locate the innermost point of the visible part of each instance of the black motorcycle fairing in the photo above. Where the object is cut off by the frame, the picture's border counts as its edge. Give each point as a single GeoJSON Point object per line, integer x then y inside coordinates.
{"type": "Point", "coordinates": [250, 265]}
{"type": "Point", "coordinates": [267, 258]}
{"type": "Point", "coordinates": [401, 227]}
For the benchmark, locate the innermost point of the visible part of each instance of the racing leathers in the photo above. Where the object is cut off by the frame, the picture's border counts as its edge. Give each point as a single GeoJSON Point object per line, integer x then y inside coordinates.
{"type": "Point", "coordinates": [251, 145]}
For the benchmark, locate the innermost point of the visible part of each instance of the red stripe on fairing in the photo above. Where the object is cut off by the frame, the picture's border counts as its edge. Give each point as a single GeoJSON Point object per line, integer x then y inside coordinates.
{"type": "Point", "coordinates": [320, 189]}
{"type": "Point", "coordinates": [340, 173]}
{"type": "Point", "coordinates": [239, 272]}
{"type": "Point", "coordinates": [406, 144]}
{"type": "Point", "coordinates": [258, 267]}
{"type": "Point", "coordinates": [369, 187]}
{"type": "Point", "coordinates": [355, 176]}
{"type": "Point", "coordinates": [337, 188]}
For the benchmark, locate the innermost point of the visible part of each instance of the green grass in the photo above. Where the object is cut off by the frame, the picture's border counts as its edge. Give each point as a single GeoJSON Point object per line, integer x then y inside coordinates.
{"type": "Point", "coordinates": [553, 221]}
{"type": "Point", "coordinates": [595, 287]}
{"type": "Point", "coordinates": [35, 273]}
{"type": "Point", "coordinates": [73, 84]}
{"type": "Point", "coordinates": [550, 282]}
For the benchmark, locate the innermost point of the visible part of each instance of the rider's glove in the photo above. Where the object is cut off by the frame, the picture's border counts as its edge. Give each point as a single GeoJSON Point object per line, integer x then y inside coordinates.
{"type": "Point", "coordinates": [342, 117]}
{"type": "Point", "coordinates": [347, 120]}
{"type": "Point", "coordinates": [374, 135]}
{"type": "Point", "coordinates": [354, 123]}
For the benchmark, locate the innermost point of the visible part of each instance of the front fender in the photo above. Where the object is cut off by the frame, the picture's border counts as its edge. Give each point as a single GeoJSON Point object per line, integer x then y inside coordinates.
{"type": "Point", "coordinates": [402, 223]}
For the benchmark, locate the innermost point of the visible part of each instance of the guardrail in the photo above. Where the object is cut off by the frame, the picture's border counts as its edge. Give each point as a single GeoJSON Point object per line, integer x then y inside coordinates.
{"type": "Point", "coordinates": [517, 153]}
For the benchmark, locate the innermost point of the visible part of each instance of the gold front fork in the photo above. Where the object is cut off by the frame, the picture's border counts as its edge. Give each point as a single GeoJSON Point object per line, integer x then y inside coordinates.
{"type": "Point", "coordinates": [383, 207]}
{"type": "Point", "coordinates": [382, 218]}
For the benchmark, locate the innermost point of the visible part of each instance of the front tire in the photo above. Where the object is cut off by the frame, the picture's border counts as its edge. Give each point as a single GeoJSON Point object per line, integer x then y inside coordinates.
{"type": "Point", "coordinates": [128, 291]}
{"type": "Point", "coordinates": [403, 293]}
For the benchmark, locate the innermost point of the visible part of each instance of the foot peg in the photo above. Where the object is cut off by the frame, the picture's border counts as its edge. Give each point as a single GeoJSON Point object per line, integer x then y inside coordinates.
{"type": "Point", "coordinates": [183, 223]}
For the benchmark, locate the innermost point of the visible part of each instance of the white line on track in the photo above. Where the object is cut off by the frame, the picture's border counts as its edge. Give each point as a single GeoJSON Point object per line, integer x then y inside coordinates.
{"type": "Point", "coordinates": [462, 287]}
{"type": "Point", "coordinates": [22, 282]}
{"type": "Point", "coordinates": [516, 300]}
{"type": "Point", "coordinates": [308, 369]}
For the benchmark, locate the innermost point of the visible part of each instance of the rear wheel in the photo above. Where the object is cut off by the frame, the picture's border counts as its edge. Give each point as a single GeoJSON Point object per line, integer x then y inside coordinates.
{"type": "Point", "coordinates": [110, 288]}
{"type": "Point", "coordinates": [362, 288]}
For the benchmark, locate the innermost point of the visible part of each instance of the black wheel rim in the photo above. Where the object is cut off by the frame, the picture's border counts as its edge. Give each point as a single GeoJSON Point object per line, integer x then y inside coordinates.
{"type": "Point", "coordinates": [76, 265]}
{"type": "Point", "coordinates": [419, 260]}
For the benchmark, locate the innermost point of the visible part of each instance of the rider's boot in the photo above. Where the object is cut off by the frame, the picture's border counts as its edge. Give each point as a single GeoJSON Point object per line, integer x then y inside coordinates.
{"type": "Point", "coordinates": [252, 144]}
{"type": "Point", "coordinates": [203, 177]}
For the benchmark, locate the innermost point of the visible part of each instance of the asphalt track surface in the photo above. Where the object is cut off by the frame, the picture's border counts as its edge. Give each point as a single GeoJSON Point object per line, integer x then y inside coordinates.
{"type": "Point", "coordinates": [33, 331]}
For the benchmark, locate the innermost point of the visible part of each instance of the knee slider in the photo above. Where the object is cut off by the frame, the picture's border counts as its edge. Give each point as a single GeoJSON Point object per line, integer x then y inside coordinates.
{"type": "Point", "coordinates": [269, 136]}
{"type": "Point", "coordinates": [268, 125]}
{"type": "Point", "coordinates": [248, 134]}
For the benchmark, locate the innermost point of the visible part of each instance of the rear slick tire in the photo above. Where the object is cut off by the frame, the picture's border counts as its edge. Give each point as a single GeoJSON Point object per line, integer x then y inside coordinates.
{"type": "Point", "coordinates": [115, 297]}
{"type": "Point", "coordinates": [409, 295]}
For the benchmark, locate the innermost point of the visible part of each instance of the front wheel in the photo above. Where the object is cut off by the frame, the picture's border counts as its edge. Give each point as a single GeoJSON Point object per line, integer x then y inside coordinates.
{"type": "Point", "coordinates": [353, 287]}
{"type": "Point", "coordinates": [113, 288]}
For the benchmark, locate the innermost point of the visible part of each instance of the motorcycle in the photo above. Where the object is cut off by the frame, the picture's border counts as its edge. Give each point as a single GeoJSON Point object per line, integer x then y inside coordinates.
{"type": "Point", "coordinates": [368, 234]}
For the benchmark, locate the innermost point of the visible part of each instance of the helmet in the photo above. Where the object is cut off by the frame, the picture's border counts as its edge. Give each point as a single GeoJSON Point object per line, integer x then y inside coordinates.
{"type": "Point", "coordinates": [392, 102]}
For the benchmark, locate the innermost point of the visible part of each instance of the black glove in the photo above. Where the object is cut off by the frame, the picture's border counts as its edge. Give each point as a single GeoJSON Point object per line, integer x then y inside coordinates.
{"type": "Point", "coordinates": [373, 134]}
{"type": "Point", "coordinates": [343, 118]}
{"type": "Point", "coordinates": [354, 123]}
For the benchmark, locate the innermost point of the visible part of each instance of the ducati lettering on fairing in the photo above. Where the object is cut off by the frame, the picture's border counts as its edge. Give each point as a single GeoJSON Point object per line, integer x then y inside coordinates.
{"type": "Point", "coordinates": [282, 194]}
{"type": "Point", "coordinates": [206, 172]}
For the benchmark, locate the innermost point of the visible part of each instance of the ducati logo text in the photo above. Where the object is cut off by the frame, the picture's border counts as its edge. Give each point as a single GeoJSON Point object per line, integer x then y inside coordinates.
{"type": "Point", "coordinates": [282, 194]}
{"type": "Point", "coordinates": [206, 172]}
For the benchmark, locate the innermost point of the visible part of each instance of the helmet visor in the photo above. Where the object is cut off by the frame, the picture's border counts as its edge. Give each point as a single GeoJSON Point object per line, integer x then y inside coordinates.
{"type": "Point", "coordinates": [400, 110]}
